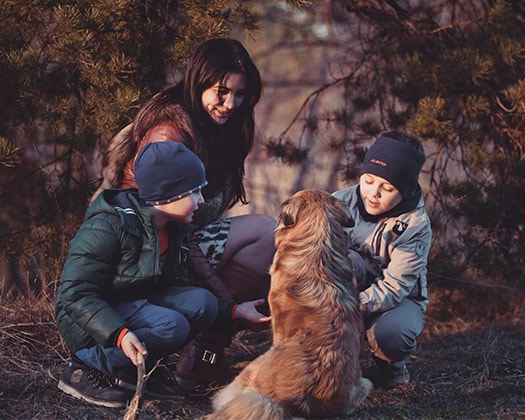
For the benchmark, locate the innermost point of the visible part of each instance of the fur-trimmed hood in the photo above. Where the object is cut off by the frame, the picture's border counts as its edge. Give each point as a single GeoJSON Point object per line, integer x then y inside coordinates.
{"type": "Point", "coordinates": [126, 143]}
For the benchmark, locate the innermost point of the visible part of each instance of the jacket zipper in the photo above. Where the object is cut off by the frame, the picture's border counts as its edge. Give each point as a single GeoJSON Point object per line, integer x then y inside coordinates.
{"type": "Point", "coordinates": [378, 235]}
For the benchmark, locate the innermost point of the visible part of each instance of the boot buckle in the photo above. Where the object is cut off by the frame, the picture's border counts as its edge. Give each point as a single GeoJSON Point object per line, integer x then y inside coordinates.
{"type": "Point", "coordinates": [209, 357]}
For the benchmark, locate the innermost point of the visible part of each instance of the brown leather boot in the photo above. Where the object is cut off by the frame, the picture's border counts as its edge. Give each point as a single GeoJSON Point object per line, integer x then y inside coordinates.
{"type": "Point", "coordinates": [201, 364]}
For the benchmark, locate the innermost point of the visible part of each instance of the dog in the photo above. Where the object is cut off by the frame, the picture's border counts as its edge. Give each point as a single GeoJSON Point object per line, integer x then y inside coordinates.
{"type": "Point", "coordinates": [312, 369]}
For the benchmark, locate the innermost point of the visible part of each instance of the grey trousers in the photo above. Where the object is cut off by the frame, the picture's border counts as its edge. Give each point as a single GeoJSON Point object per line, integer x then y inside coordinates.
{"type": "Point", "coordinates": [392, 335]}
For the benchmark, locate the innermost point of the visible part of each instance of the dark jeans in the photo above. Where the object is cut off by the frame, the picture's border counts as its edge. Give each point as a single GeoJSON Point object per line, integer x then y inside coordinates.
{"type": "Point", "coordinates": [165, 323]}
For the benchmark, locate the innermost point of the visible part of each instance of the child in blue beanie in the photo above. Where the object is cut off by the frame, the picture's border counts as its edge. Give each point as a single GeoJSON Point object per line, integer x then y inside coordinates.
{"type": "Point", "coordinates": [124, 289]}
{"type": "Point", "coordinates": [391, 221]}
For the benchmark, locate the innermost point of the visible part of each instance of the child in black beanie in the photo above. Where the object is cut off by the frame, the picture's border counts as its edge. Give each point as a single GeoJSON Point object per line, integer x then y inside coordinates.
{"type": "Point", "coordinates": [390, 219]}
{"type": "Point", "coordinates": [124, 288]}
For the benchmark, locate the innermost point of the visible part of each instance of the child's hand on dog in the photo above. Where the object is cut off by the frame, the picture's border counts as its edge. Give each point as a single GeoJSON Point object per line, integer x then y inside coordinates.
{"type": "Point", "coordinates": [247, 315]}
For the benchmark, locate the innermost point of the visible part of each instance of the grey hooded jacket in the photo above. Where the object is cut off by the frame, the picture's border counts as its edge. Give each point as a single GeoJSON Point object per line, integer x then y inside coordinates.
{"type": "Point", "coordinates": [403, 242]}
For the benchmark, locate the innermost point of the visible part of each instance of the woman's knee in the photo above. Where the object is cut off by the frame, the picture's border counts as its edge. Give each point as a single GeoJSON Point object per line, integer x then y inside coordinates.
{"type": "Point", "coordinates": [250, 244]}
{"type": "Point", "coordinates": [264, 225]}
{"type": "Point", "coordinates": [251, 229]}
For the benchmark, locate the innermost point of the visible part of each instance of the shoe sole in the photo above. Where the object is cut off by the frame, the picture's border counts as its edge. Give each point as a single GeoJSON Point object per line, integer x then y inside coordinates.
{"type": "Point", "coordinates": [74, 393]}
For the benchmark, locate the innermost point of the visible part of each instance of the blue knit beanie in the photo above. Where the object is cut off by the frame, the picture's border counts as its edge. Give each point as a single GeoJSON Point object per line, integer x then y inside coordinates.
{"type": "Point", "coordinates": [167, 171]}
{"type": "Point", "coordinates": [396, 162]}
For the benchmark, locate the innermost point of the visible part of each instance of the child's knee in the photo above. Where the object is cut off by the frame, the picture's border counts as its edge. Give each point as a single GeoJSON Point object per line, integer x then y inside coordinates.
{"type": "Point", "coordinates": [174, 329]}
{"type": "Point", "coordinates": [395, 344]}
{"type": "Point", "coordinates": [208, 307]}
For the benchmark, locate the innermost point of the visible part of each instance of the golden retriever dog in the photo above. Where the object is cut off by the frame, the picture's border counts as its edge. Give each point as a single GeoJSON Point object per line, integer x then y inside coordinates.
{"type": "Point", "coordinates": [312, 369]}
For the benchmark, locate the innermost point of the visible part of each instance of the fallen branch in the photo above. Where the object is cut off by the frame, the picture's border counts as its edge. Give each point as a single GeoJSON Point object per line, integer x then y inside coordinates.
{"type": "Point", "coordinates": [133, 407]}
{"type": "Point", "coordinates": [142, 378]}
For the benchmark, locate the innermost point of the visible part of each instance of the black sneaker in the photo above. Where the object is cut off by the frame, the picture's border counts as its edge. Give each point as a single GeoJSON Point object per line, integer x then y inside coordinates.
{"type": "Point", "coordinates": [92, 386]}
{"type": "Point", "coordinates": [391, 377]}
{"type": "Point", "coordinates": [160, 385]}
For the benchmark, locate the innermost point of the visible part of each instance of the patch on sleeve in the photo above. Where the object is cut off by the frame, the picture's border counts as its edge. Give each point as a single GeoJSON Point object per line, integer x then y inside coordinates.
{"type": "Point", "coordinates": [420, 248]}
{"type": "Point", "coordinates": [399, 227]}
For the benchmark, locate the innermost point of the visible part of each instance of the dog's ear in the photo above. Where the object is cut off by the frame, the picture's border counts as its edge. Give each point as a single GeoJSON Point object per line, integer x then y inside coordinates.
{"type": "Point", "coordinates": [348, 220]}
{"type": "Point", "coordinates": [289, 211]}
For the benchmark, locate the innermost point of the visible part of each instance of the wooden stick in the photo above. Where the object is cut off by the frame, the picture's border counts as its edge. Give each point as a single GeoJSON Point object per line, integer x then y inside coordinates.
{"type": "Point", "coordinates": [133, 407]}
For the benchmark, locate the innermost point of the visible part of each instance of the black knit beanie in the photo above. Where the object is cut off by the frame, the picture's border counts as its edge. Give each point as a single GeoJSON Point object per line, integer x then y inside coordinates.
{"type": "Point", "coordinates": [167, 171]}
{"type": "Point", "coordinates": [396, 162]}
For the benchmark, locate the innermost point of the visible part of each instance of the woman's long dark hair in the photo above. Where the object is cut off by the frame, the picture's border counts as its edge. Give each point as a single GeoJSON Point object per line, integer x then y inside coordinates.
{"type": "Point", "coordinates": [227, 146]}
{"type": "Point", "coordinates": [222, 148]}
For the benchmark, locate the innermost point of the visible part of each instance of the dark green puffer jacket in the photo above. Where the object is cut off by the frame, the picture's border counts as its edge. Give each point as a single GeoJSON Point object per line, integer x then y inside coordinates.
{"type": "Point", "coordinates": [114, 257]}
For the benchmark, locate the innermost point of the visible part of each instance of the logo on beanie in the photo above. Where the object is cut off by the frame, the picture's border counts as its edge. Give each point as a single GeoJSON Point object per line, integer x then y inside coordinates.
{"type": "Point", "coordinates": [378, 162]}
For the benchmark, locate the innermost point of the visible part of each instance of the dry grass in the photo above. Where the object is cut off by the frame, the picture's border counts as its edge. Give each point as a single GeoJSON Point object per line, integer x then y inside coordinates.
{"type": "Point", "coordinates": [466, 367]}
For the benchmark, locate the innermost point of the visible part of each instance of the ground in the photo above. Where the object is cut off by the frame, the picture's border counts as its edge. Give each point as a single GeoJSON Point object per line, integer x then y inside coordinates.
{"type": "Point", "coordinates": [466, 367]}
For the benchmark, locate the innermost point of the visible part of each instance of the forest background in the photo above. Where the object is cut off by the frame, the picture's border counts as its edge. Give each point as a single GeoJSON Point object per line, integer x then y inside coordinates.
{"type": "Point", "coordinates": [335, 72]}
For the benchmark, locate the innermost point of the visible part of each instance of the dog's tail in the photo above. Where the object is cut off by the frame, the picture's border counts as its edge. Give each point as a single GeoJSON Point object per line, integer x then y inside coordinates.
{"type": "Point", "coordinates": [250, 405]}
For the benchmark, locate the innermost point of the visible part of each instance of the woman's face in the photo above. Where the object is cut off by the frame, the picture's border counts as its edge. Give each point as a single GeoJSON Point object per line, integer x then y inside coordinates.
{"type": "Point", "coordinates": [224, 97]}
{"type": "Point", "coordinates": [378, 195]}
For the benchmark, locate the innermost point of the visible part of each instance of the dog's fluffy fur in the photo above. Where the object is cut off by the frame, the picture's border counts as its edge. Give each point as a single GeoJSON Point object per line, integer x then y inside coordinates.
{"type": "Point", "coordinates": [312, 369]}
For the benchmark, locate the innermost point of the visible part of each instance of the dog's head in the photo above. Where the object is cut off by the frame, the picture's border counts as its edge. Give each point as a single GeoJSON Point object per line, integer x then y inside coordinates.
{"type": "Point", "coordinates": [311, 214]}
{"type": "Point", "coordinates": [313, 204]}
{"type": "Point", "coordinates": [311, 242]}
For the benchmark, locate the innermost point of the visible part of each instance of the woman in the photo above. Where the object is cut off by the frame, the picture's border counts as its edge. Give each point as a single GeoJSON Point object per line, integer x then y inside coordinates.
{"type": "Point", "coordinates": [212, 112]}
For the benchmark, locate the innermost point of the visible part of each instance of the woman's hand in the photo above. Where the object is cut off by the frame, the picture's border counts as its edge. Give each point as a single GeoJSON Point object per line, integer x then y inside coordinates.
{"type": "Point", "coordinates": [247, 315]}
{"type": "Point", "coordinates": [132, 346]}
